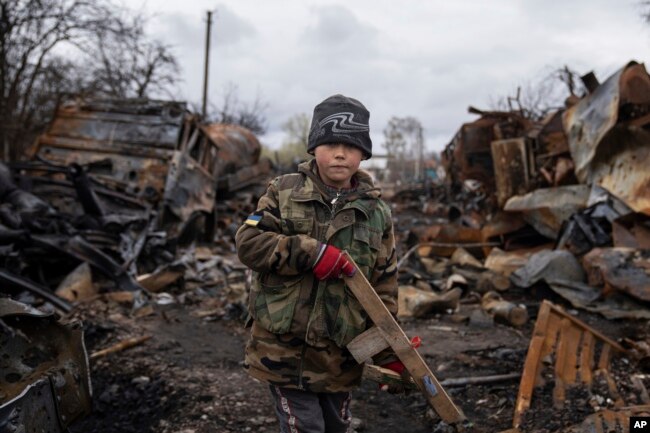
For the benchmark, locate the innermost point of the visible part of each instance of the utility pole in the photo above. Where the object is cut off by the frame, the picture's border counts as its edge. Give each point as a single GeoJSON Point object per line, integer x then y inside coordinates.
{"type": "Point", "coordinates": [419, 146]}
{"type": "Point", "coordinates": [207, 63]}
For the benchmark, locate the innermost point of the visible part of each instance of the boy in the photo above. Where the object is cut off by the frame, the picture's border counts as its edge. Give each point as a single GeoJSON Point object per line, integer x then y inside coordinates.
{"type": "Point", "coordinates": [302, 313]}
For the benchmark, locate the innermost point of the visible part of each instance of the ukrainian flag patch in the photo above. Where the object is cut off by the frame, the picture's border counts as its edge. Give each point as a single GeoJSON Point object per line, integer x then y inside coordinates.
{"type": "Point", "coordinates": [253, 220]}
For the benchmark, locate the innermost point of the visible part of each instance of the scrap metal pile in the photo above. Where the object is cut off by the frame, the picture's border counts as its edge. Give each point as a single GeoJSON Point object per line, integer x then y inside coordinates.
{"type": "Point", "coordinates": [116, 197]}
{"type": "Point", "coordinates": [562, 204]}
{"type": "Point", "coordinates": [120, 185]}
{"type": "Point", "coordinates": [111, 202]}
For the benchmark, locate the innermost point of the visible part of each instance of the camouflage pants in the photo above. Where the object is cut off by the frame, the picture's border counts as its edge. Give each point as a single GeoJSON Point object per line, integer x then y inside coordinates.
{"type": "Point", "coordinates": [310, 412]}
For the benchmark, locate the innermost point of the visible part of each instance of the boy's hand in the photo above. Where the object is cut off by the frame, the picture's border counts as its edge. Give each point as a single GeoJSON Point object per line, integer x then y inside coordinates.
{"type": "Point", "coordinates": [332, 263]}
{"type": "Point", "coordinates": [397, 367]}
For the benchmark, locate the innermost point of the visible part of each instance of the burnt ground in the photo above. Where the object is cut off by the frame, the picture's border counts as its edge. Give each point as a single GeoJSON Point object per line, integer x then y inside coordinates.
{"type": "Point", "coordinates": [189, 378]}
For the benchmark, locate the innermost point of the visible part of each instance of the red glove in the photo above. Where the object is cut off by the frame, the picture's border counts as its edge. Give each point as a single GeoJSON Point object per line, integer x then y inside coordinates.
{"type": "Point", "coordinates": [398, 367]}
{"type": "Point", "coordinates": [332, 263]}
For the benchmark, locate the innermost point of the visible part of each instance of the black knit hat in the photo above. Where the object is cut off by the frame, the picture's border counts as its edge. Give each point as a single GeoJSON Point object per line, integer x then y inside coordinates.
{"type": "Point", "coordinates": [339, 119]}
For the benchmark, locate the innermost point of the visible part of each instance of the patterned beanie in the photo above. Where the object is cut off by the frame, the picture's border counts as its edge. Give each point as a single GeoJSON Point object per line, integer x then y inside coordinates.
{"type": "Point", "coordinates": [339, 119]}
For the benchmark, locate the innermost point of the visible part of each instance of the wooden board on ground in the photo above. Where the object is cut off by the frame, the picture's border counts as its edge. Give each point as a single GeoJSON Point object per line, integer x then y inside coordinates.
{"type": "Point", "coordinates": [570, 342]}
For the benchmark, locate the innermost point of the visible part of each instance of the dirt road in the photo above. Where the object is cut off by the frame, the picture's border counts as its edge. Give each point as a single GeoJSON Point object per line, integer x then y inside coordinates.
{"type": "Point", "coordinates": [189, 378]}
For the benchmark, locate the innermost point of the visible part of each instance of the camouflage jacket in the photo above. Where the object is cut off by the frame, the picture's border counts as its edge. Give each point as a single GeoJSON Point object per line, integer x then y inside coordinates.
{"type": "Point", "coordinates": [301, 325]}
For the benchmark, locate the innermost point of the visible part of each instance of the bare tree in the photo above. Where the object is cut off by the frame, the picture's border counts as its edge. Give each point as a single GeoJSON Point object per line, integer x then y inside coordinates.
{"type": "Point", "coordinates": [394, 139]}
{"type": "Point", "coordinates": [646, 11]}
{"type": "Point", "coordinates": [232, 110]}
{"type": "Point", "coordinates": [404, 143]}
{"type": "Point", "coordinates": [48, 48]}
{"type": "Point", "coordinates": [535, 100]}
{"type": "Point", "coordinates": [296, 129]}
{"type": "Point", "coordinates": [30, 32]}
{"type": "Point", "coordinates": [129, 65]}
{"type": "Point", "coordinates": [294, 145]}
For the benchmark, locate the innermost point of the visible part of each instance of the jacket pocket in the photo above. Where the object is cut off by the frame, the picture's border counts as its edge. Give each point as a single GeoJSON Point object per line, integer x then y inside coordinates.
{"type": "Point", "coordinates": [351, 319]}
{"type": "Point", "coordinates": [294, 226]}
{"type": "Point", "coordinates": [274, 304]}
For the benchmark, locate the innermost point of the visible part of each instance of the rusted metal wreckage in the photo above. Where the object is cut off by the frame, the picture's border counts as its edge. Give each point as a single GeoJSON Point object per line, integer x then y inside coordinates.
{"type": "Point", "coordinates": [480, 145]}
{"type": "Point", "coordinates": [510, 155]}
{"type": "Point", "coordinates": [562, 204]}
{"type": "Point", "coordinates": [156, 153]}
{"type": "Point", "coordinates": [576, 180]}
{"type": "Point", "coordinates": [44, 380]}
{"type": "Point", "coordinates": [608, 129]}
{"type": "Point", "coordinates": [106, 194]}
{"type": "Point", "coordinates": [546, 203]}
{"type": "Point", "coordinates": [118, 184]}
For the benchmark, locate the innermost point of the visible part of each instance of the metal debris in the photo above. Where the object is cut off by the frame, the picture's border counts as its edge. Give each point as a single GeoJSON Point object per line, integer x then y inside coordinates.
{"type": "Point", "coordinates": [469, 155]}
{"type": "Point", "coordinates": [119, 184]}
{"type": "Point", "coordinates": [620, 269]}
{"type": "Point", "coordinates": [546, 209]}
{"type": "Point", "coordinates": [512, 171]}
{"type": "Point", "coordinates": [114, 187]}
{"type": "Point", "coordinates": [45, 385]}
{"type": "Point", "coordinates": [550, 267]}
{"type": "Point", "coordinates": [564, 274]}
{"type": "Point", "coordinates": [605, 130]}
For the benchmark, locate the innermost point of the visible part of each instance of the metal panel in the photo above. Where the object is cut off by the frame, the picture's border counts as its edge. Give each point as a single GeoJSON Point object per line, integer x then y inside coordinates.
{"type": "Point", "coordinates": [190, 188]}
{"type": "Point", "coordinates": [606, 140]}
{"type": "Point", "coordinates": [105, 128]}
{"type": "Point", "coordinates": [238, 147]}
{"type": "Point", "coordinates": [511, 171]}
{"type": "Point", "coordinates": [150, 149]}
{"type": "Point", "coordinates": [32, 411]}
{"type": "Point", "coordinates": [547, 208]}
{"type": "Point", "coordinates": [45, 382]}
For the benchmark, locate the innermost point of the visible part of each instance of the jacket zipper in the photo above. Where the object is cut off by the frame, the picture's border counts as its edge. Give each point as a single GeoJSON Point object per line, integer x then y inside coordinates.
{"type": "Point", "coordinates": [312, 299]}
{"type": "Point", "coordinates": [333, 208]}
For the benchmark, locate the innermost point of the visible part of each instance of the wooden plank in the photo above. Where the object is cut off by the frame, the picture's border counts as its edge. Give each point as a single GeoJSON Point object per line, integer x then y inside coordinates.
{"type": "Point", "coordinates": [553, 326]}
{"type": "Point", "coordinates": [570, 370]}
{"type": "Point", "coordinates": [559, 390]}
{"type": "Point", "coordinates": [605, 355]}
{"type": "Point", "coordinates": [401, 345]}
{"type": "Point", "coordinates": [531, 371]}
{"type": "Point", "coordinates": [528, 379]}
{"type": "Point", "coordinates": [367, 344]}
{"type": "Point", "coordinates": [573, 345]}
{"type": "Point", "coordinates": [587, 358]}
{"type": "Point", "coordinates": [587, 328]}
{"type": "Point", "coordinates": [122, 345]}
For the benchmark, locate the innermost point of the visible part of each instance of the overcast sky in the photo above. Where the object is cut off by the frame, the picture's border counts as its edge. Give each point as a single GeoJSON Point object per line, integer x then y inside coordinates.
{"type": "Point", "coordinates": [427, 59]}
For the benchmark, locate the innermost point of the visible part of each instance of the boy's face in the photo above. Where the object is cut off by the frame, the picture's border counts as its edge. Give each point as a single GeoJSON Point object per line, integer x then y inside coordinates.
{"type": "Point", "coordinates": [337, 162]}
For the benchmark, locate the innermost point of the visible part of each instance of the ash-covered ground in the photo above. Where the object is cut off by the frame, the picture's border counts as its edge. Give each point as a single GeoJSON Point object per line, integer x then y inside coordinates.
{"type": "Point", "coordinates": [189, 378]}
